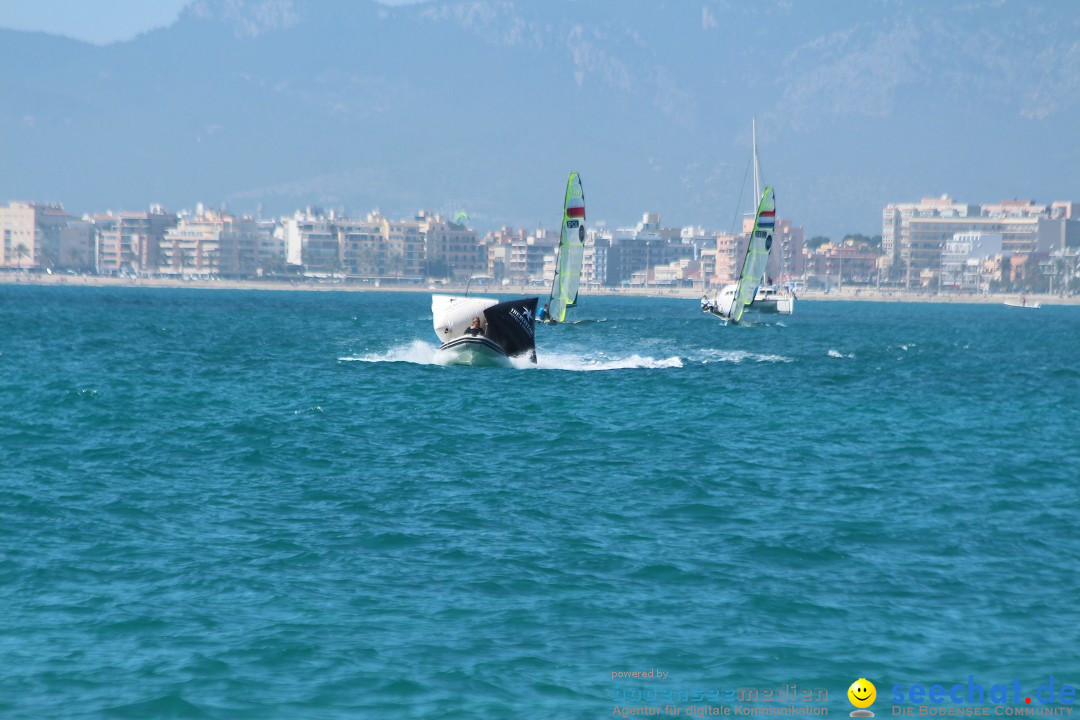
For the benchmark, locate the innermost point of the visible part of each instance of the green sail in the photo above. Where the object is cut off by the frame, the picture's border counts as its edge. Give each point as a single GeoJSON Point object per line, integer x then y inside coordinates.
{"type": "Point", "coordinates": [564, 289]}
{"type": "Point", "coordinates": [757, 255]}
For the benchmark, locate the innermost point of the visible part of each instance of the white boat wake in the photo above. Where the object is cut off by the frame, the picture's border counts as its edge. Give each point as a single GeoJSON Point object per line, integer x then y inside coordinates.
{"type": "Point", "coordinates": [741, 356]}
{"type": "Point", "coordinates": [419, 352]}
{"type": "Point", "coordinates": [562, 361]}
{"type": "Point", "coordinates": [416, 352]}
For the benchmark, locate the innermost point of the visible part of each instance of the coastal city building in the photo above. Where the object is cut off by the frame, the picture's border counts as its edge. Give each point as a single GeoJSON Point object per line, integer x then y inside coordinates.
{"type": "Point", "coordinates": [520, 258]}
{"type": "Point", "coordinates": [76, 251]}
{"type": "Point", "coordinates": [312, 241]}
{"type": "Point", "coordinates": [364, 248]}
{"type": "Point", "coordinates": [31, 234]}
{"type": "Point", "coordinates": [914, 236]}
{"type": "Point", "coordinates": [849, 261]}
{"type": "Point", "coordinates": [450, 249]}
{"type": "Point", "coordinates": [964, 260]}
{"type": "Point", "coordinates": [594, 260]}
{"type": "Point", "coordinates": [209, 242]}
{"type": "Point", "coordinates": [633, 254]}
{"type": "Point", "coordinates": [937, 244]}
{"type": "Point", "coordinates": [130, 242]}
{"type": "Point", "coordinates": [404, 247]}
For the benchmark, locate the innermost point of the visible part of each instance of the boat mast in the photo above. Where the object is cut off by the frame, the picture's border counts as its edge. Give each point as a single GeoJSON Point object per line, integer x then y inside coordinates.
{"type": "Point", "coordinates": [757, 173]}
{"type": "Point", "coordinates": [757, 186]}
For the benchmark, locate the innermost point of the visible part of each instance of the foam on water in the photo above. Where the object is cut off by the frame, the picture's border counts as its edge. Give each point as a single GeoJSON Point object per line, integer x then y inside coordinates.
{"type": "Point", "coordinates": [711, 355]}
{"type": "Point", "coordinates": [591, 363]}
{"type": "Point", "coordinates": [419, 352]}
{"type": "Point", "coordinates": [416, 352]}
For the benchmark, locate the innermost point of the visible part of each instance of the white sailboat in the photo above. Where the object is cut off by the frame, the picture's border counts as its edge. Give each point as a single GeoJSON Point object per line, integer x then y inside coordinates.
{"type": "Point", "coordinates": [748, 292]}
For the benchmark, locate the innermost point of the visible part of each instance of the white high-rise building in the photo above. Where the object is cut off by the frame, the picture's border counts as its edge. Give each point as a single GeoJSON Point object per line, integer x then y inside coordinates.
{"type": "Point", "coordinates": [914, 236]}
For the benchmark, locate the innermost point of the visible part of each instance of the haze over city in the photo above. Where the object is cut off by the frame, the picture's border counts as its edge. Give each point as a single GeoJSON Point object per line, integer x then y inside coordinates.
{"type": "Point", "coordinates": [267, 106]}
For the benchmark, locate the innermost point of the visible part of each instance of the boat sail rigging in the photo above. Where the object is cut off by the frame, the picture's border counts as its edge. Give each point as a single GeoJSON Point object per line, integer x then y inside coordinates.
{"type": "Point", "coordinates": [564, 288]}
{"type": "Point", "coordinates": [757, 255]}
{"type": "Point", "coordinates": [733, 300]}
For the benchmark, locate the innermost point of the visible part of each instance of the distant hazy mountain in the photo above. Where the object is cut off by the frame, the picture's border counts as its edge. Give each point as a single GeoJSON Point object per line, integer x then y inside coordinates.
{"type": "Point", "coordinates": [487, 106]}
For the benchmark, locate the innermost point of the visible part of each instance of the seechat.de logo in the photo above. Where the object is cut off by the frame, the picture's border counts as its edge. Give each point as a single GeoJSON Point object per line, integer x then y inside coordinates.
{"type": "Point", "coordinates": [862, 694]}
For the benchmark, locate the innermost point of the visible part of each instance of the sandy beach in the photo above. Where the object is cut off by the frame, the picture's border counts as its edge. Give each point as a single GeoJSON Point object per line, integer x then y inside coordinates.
{"type": "Point", "coordinates": [846, 294]}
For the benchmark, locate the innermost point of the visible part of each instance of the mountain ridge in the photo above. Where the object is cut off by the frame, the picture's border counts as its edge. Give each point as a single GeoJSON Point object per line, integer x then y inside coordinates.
{"type": "Point", "coordinates": [278, 104]}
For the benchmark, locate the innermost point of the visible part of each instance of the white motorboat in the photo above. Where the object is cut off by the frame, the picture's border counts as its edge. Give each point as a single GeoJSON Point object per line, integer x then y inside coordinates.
{"type": "Point", "coordinates": [1023, 302]}
{"type": "Point", "coordinates": [505, 329]}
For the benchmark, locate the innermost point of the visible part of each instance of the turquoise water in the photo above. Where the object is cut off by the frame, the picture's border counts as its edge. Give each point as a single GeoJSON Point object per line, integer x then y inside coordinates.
{"type": "Point", "coordinates": [219, 504]}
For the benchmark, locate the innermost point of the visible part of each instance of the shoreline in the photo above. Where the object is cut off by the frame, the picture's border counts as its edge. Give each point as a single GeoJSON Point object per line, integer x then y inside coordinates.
{"type": "Point", "coordinates": [853, 295]}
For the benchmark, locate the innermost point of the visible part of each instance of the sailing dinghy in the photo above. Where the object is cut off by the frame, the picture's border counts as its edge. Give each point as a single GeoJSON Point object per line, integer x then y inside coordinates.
{"type": "Point", "coordinates": [564, 288]}
{"type": "Point", "coordinates": [734, 299]}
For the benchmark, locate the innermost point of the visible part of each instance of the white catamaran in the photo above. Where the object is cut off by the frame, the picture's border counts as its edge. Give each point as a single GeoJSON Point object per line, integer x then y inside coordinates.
{"type": "Point", "coordinates": [564, 288]}
{"type": "Point", "coordinates": [484, 331]}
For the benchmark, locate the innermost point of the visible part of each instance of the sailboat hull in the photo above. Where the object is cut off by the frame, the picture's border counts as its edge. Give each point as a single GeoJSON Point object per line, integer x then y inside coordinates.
{"type": "Point", "coordinates": [767, 300]}
{"type": "Point", "coordinates": [724, 319]}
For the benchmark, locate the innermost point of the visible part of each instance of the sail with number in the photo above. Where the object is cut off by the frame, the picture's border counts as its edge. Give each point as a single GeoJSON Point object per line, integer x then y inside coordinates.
{"type": "Point", "coordinates": [757, 255]}
{"type": "Point", "coordinates": [564, 289]}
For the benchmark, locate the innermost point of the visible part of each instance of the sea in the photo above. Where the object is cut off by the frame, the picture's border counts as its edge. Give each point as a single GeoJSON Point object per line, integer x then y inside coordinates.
{"type": "Point", "coordinates": [269, 504]}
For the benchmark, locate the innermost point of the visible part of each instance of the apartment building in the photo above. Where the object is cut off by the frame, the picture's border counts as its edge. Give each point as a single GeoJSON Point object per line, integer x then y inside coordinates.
{"type": "Point", "coordinates": [594, 260]}
{"type": "Point", "coordinates": [209, 242]}
{"type": "Point", "coordinates": [76, 249]}
{"type": "Point", "coordinates": [847, 262]}
{"type": "Point", "coordinates": [728, 253]}
{"type": "Point", "coordinates": [963, 260]}
{"type": "Point", "coordinates": [451, 249]}
{"type": "Point", "coordinates": [532, 257]}
{"type": "Point", "coordinates": [271, 247]}
{"type": "Point", "coordinates": [312, 241]}
{"type": "Point", "coordinates": [131, 241]}
{"type": "Point", "coordinates": [787, 259]}
{"type": "Point", "coordinates": [914, 235]}
{"type": "Point", "coordinates": [365, 249]}
{"type": "Point", "coordinates": [498, 244]}
{"type": "Point", "coordinates": [405, 247]}
{"type": "Point", "coordinates": [31, 234]}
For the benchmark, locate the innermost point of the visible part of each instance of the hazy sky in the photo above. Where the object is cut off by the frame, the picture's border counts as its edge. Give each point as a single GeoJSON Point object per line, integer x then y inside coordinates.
{"type": "Point", "coordinates": [487, 105]}
{"type": "Point", "coordinates": [96, 22]}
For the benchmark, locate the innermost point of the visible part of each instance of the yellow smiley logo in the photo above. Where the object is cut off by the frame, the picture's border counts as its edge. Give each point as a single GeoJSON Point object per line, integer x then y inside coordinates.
{"type": "Point", "coordinates": [862, 694]}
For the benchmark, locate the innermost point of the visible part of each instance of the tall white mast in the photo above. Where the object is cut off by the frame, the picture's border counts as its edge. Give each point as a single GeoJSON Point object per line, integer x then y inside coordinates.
{"type": "Point", "coordinates": [757, 178]}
